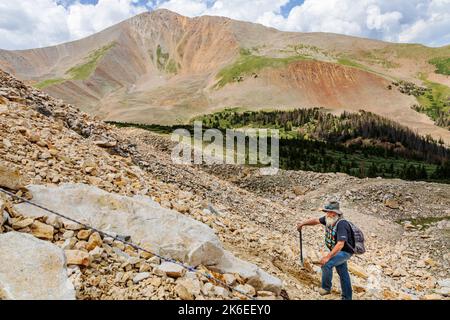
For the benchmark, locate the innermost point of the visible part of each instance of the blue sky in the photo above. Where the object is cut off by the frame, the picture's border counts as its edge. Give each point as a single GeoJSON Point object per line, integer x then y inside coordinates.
{"type": "Point", "coordinates": [284, 9]}
{"type": "Point", "coordinates": [36, 23]}
{"type": "Point", "coordinates": [288, 7]}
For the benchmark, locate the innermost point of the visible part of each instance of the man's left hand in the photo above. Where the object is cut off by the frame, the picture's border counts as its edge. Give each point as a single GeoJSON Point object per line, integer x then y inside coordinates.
{"type": "Point", "coordinates": [324, 260]}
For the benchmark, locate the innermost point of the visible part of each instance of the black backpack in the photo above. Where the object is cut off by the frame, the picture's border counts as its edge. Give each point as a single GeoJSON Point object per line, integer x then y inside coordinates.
{"type": "Point", "coordinates": [358, 236]}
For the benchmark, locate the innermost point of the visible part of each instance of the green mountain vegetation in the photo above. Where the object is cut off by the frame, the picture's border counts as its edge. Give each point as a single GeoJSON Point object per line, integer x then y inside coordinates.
{"type": "Point", "coordinates": [248, 64]}
{"type": "Point", "coordinates": [164, 62]}
{"type": "Point", "coordinates": [350, 63]}
{"type": "Point", "coordinates": [435, 103]}
{"type": "Point", "coordinates": [411, 51]}
{"type": "Point", "coordinates": [433, 99]}
{"type": "Point", "coordinates": [81, 71]}
{"type": "Point", "coordinates": [49, 82]}
{"type": "Point", "coordinates": [442, 65]}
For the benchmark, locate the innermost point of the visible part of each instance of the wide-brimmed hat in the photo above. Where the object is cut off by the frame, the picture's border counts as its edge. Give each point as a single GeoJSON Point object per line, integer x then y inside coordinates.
{"type": "Point", "coordinates": [332, 206]}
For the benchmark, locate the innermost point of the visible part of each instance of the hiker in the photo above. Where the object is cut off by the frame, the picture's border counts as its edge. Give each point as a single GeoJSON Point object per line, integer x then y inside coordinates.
{"type": "Point", "coordinates": [340, 241]}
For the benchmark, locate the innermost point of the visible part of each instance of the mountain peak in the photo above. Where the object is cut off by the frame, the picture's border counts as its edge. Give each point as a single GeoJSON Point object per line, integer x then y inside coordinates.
{"type": "Point", "coordinates": [163, 11]}
{"type": "Point", "coordinates": [162, 67]}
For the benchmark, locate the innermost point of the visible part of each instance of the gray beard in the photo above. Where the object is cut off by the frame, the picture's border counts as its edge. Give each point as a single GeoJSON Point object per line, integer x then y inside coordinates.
{"type": "Point", "coordinates": [331, 221]}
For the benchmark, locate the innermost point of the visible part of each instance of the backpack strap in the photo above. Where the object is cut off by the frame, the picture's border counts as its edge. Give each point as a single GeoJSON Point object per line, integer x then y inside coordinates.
{"type": "Point", "coordinates": [337, 222]}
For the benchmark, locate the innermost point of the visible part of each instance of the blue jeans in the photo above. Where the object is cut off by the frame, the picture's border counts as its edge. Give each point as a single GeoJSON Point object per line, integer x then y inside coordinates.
{"type": "Point", "coordinates": [339, 262]}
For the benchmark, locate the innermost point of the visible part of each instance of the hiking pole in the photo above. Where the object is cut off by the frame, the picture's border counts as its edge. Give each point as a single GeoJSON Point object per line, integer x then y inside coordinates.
{"type": "Point", "coordinates": [301, 247]}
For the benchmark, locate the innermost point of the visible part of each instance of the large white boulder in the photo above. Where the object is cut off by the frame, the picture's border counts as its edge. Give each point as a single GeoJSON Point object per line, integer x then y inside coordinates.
{"type": "Point", "coordinates": [32, 269]}
{"type": "Point", "coordinates": [165, 232]}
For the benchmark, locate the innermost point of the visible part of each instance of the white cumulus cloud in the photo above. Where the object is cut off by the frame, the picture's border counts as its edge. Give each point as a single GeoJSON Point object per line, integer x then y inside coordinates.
{"type": "Point", "coordinates": [84, 20]}
{"type": "Point", "coordinates": [37, 23]}
{"type": "Point", "coordinates": [25, 24]}
{"type": "Point", "coordinates": [189, 8]}
{"type": "Point", "coordinates": [423, 21]}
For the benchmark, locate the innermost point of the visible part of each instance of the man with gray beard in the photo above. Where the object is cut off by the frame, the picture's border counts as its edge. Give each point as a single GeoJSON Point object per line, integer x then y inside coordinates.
{"type": "Point", "coordinates": [340, 241]}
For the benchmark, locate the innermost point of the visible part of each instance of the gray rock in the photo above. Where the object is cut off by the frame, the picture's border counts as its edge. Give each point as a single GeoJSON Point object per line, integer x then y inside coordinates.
{"type": "Point", "coordinates": [443, 291]}
{"type": "Point", "coordinates": [246, 289]}
{"type": "Point", "coordinates": [221, 292]}
{"type": "Point", "coordinates": [32, 269]}
{"type": "Point", "coordinates": [207, 288]}
{"type": "Point", "coordinates": [141, 276]}
{"type": "Point", "coordinates": [445, 283]}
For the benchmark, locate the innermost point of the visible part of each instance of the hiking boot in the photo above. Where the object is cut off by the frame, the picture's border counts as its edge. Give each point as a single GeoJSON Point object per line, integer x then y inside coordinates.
{"type": "Point", "coordinates": [324, 292]}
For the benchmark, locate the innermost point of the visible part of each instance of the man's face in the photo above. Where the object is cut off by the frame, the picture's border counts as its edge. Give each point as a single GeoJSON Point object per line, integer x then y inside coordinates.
{"type": "Point", "coordinates": [331, 218]}
{"type": "Point", "coordinates": [331, 214]}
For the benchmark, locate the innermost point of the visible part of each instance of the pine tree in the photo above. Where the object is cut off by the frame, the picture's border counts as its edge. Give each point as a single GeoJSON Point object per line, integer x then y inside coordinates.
{"type": "Point", "coordinates": [373, 170]}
